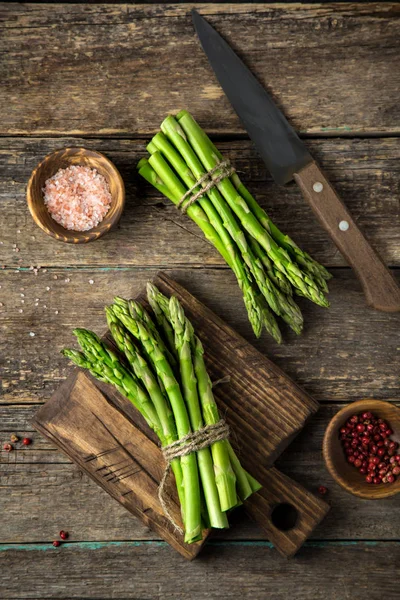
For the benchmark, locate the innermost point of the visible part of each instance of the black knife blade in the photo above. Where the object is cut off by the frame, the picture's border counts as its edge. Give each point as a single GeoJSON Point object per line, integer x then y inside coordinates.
{"type": "Point", "coordinates": [278, 144]}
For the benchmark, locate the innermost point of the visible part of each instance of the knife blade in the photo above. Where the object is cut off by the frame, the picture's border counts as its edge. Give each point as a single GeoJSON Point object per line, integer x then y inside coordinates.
{"type": "Point", "coordinates": [278, 144]}
{"type": "Point", "coordinates": [287, 158]}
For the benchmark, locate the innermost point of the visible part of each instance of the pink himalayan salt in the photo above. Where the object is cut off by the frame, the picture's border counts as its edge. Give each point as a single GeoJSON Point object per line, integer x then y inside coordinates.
{"type": "Point", "coordinates": [78, 197]}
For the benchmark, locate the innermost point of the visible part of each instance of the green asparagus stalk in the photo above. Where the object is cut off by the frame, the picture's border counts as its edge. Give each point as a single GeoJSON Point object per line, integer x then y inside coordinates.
{"type": "Point", "coordinates": [258, 312]}
{"type": "Point", "coordinates": [189, 385]}
{"type": "Point", "coordinates": [277, 277]}
{"type": "Point", "coordinates": [132, 320]}
{"type": "Point", "coordinates": [278, 255]}
{"type": "Point", "coordinates": [221, 451]}
{"type": "Point", "coordinates": [143, 372]}
{"type": "Point", "coordinates": [177, 188]}
{"type": "Point", "coordinates": [104, 364]}
{"type": "Point", "coordinates": [302, 258]}
{"type": "Point", "coordinates": [229, 471]}
{"type": "Point", "coordinates": [191, 170]}
{"type": "Point", "coordinates": [161, 319]}
{"type": "Point", "coordinates": [147, 320]}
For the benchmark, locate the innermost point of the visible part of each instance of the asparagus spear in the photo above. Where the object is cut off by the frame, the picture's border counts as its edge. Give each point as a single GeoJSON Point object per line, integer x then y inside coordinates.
{"type": "Point", "coordinates": [223, 454]}
{"type": "Point", "coordinates": [224, 476]}
{"type": "Point", "coordinates": [190, 170]}
{"type": "Point", "coordinates": [276, 276]}
{"type": "Point", "coordinates": [136, 326]}
{"type": "Point", "coordinates": [143, 372]}
{"type": "Point", "coordinates": [161, 319]}
{"type": "Point", "coordinates": [189, 385]}
{"type": "Point", "coordinates": [177, 189]}
{"type": "Point", "coordinates": [304, 259]}
{"type": "Point", "coordinates": [278, 255]}
{"type": "Point", "coordinates": [104, 364]}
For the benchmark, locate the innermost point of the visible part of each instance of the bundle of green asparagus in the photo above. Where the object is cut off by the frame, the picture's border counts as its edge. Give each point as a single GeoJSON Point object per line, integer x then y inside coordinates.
{"type": "Point", "coordinates": [163, 374]}
{"type": "Point", "coordinates": [268, 265]}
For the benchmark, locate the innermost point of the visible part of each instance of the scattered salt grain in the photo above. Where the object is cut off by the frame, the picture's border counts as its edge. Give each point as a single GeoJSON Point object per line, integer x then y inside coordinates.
{"type": "Point", "coordinates": [47, 289]}
{"type": "Point", "coordinates": [91, 281]}
{"type": "Point", "coordinates": [44, 306]}
{"type": "Point", "coordinates": [44, 271]}
{"type": "Point", "coordinates": [67, 280]}
{"type": "Point", "coordinates": [22, 301]}
{"type": "Point", "coordinates": [32, 334]}
{"type": "Point", "coordinates": [36, 303]}
{"type": "Point", "coordinates": [18, 231]}
{"type": "Point", "coordinates": [33, 237]}
{"type": "Point", "coordinates": [36, 299]}
{"type": "Point", "coordinates": [55, 277]}
{"type": "Point", "coordinates": [22, 295]}
{"type": "Point", "coordinates": [20, 310]}
{"type": "Point", "coordinates": [77, 197]}
{"type": "Point", "coordinates": [1, 304]}
{"type": "Point", "coordinates": [14, 245]}
{"type": "Point", "coordinates": [56, 312]}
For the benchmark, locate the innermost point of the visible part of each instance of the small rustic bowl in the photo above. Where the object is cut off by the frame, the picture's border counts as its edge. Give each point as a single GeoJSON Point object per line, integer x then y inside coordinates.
{"type": "Point", "coordinates": [61, 159]}
{"type": "Point", "coordinates": [343, 472]}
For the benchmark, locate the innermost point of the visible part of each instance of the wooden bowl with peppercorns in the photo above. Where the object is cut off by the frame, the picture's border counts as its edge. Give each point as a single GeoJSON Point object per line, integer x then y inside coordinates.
{"type": "Point", "coordinates": [361, 448]}
{"type": "Point", "coordinates": [95, 200]}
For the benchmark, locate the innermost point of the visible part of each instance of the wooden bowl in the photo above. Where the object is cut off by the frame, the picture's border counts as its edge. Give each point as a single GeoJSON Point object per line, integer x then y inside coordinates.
{"type": "Point", "coordinates": [60, 159]}
{"type": "Point", "coordinates": [343, 472]}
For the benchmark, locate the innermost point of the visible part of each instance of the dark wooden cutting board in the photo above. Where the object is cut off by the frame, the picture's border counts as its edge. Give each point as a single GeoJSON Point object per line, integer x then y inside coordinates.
{"type": "Point", "coordinates": [103, 433]}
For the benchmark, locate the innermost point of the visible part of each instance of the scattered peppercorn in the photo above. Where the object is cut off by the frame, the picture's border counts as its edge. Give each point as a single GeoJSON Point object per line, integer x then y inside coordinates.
{"type": "Point", "coordinates": [63, 534]}
{"type": "Point", "coordinates": [8, 447]}
{"type": "Point", "coordinates": [27, 441]}
{"type": "Point", "coordinates": [14, 438]}
{"type": "Point", "coordinates": [367, 445]}
{"type": "Point", "coordinates": [56, 543]}
{"type": "Point", "coordinates": [322, 490]}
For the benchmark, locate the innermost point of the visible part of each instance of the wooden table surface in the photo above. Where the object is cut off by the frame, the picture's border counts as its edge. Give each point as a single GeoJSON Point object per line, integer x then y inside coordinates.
{"type": "Point", "coordinates": [105, 75]}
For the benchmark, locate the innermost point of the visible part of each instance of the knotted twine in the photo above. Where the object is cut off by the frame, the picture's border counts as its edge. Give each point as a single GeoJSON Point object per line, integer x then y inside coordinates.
{"type": "Point", "coordinates": [192, 442]}
{"type": "Point", "coordinates": [226, 171]}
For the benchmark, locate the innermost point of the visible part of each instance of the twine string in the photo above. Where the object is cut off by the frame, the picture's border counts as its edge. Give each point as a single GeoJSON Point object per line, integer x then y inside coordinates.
{"type": "Point", "coordinates": [192, 442]}
{"type": "Point", "coordinates": [188, 199]}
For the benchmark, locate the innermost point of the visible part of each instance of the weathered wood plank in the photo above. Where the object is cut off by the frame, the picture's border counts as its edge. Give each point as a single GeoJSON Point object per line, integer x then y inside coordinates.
{"type": "Point", "coordinates": [60, 496]}
{"type": "Point", "coordinates": [99, 69]}
{"type": "Point", "coordinates": [340, 356]}
{"type": "Point", "coordinates": [225, 571]}
{"type": "Point", "coordinates": [366, 173]}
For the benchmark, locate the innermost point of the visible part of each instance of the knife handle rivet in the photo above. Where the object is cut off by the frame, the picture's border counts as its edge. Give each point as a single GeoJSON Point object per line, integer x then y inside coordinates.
{"type": "Point", "coordinates": [343, 225]}
{"type": "Point", "coordinates": [317, 187]}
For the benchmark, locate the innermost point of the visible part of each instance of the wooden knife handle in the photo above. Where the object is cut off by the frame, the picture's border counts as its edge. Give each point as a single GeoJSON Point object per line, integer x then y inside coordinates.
{"type": "Point", "coordinates": [380, 288]}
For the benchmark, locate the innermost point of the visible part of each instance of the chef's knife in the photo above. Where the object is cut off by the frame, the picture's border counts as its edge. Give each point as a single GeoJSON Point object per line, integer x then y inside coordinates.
{"type": "Point", "coordinates": [287, 158]}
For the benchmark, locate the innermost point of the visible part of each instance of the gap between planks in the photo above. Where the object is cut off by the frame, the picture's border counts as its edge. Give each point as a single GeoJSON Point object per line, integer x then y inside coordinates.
{"type": "Point", "coordinates": [94, 545]}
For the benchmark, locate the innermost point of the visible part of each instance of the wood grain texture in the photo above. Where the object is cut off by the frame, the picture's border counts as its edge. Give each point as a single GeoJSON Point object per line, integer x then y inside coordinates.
{"type": "Point", "coordinates": [340, 356]}
{"type": "Point", "coordinates": [59, 494]}
{"type": "Point", "coordinates": [115, 453]}
{"type": "Point", "coordinates": [365, 172]}
{"type": "Point", "coordinates": [224, 571]}
{"type": "Point", "coordinates": [380, 288]}
{"type": "Point", "coordinates": [263, 407]}
{"type": "Point", "coordinates": [311, 57]}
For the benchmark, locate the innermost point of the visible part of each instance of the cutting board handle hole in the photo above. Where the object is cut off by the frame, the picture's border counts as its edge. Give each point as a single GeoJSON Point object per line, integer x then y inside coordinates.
{"type": "Point", "coordinates": [284, 516]}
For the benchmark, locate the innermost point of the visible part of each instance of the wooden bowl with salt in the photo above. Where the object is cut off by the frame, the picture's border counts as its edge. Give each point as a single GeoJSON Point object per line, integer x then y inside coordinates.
{"type": "Point", "coordinates": [62, 159]}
